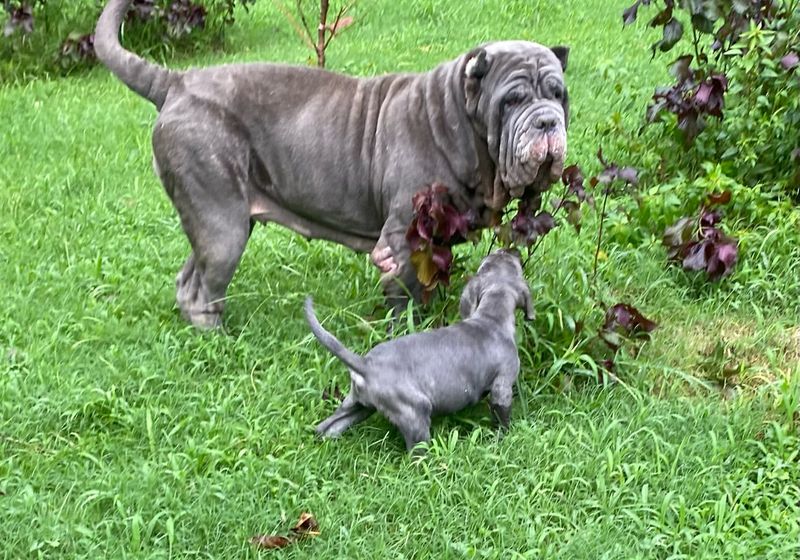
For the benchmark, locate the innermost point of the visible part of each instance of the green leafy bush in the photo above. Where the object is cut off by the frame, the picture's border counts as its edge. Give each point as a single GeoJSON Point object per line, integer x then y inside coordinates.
{"type": "Point", "coordinates": [56, 36]}
{"type": "Point", "coordinates": [736, 98]}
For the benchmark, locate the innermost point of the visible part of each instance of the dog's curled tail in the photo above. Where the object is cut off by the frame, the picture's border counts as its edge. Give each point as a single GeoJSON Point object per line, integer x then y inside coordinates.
{"type": "Point", "coordinates": [350, 358]}
{"type": "Point", "coordinates": [148, 80]}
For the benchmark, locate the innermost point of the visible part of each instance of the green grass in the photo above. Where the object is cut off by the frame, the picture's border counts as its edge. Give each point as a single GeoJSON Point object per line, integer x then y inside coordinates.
{"type": "Point", "coordinates": [125, 433]}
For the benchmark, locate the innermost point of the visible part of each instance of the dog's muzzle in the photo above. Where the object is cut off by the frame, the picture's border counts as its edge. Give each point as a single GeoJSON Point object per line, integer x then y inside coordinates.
{"type": "Point", "coordinates": [539, 149]}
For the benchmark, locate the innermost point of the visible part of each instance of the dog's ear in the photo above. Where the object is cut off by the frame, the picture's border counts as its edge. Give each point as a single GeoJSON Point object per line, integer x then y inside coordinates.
{"type": "Point", "coordinates": [562, 54]}
{"type": "Point", "coordinates": [470, 297]}
{"type": "Point", "coordinates": [525, 302]}
{"type": "Point", "coordinates": [476, 66]}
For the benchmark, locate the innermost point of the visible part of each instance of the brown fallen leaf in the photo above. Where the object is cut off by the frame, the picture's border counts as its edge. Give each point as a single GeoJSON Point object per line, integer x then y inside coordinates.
{"type": "Point", "coordinates": [307, 526]}
{"type": "Point", "coordinates": [270, 541]}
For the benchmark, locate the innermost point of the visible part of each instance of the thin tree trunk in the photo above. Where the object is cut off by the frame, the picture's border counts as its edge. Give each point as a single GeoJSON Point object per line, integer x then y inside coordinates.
{"type": "Point", "coordinates": [323, 18]}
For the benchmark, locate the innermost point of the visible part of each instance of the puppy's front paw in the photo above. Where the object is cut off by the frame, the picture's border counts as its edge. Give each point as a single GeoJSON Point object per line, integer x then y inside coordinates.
{"type": "Point", "coordinates": [501, 415]}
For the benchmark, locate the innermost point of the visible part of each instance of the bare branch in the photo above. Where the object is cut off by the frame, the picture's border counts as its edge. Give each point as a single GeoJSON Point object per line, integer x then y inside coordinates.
{"type": "Point", "coordinates": [305, 23]}
{"type": "Point", "coordinates": [297, 29]}
{"type": "Point", "coordinates": [335, 26]}
{"type": "Point", "coordinates": [323, 19]}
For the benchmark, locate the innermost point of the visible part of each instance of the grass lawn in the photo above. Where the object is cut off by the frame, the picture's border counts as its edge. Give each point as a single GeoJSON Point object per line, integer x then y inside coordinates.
{"type": "Point", "coordinates": [125, 433]}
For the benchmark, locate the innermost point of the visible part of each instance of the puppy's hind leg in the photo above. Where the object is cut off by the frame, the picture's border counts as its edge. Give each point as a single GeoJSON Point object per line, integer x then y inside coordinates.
{"type": "Point", "coordinates": [414, 422]}
{"type": "Point", "coordinates": [349, 413]}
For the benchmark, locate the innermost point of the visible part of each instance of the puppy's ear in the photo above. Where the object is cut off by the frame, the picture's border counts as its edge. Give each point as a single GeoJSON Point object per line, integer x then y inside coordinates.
{"type": "Point", "coordinates": [562, 54]}
{"type": "Point", "coordinates": [470, 297]}
{"type": "Point", "coordinates": [476, 66]}
{"type": "Point", "coordinates": [525, 302]}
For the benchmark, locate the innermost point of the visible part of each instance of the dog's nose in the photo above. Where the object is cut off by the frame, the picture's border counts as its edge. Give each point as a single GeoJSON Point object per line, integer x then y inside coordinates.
{"type": "Point", "coordinates": [545, 123]}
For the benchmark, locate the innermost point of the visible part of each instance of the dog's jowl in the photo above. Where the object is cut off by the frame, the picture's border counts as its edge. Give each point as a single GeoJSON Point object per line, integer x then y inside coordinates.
{"type": "Point", "coordinates": [411, 378]}
{"type": "Point", "coordinates": [339, 158]}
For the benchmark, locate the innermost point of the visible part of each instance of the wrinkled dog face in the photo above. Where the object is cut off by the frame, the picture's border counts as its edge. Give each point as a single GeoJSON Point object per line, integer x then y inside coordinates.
{"type": "Point", "coordinates": [515, 92]}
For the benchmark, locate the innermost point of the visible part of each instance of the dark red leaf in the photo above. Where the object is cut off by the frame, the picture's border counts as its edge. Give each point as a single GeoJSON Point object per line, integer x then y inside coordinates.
{"type": "Point", "coordinates": [543, 223]}
{"type": "Point", "coordinates": [655, 109]}
{"type": "Point", "coordinates": [708, 219]}
{"type": "Point", "coordinates": [608, 175]}
{"type": "Point", "coordinates": [697, 255]}
{"type": "Point", "coordinates": [141, 10]}
{"type": "Point", "coordinates": [605, 365]}
{"type": "Point", "coordinates": [715, 199]}
{"type": "Point", "coordinates": [572, 175]}
{"type": "Point", "coordinates": [629, 175]}
{"type": "Point", "coordinates": [413, 237]}
{"type": "Point", "coordinates": [673, 31]}
{"type": "Point", "coordinates": [572, 209]}
{"type": "Point", "coordinates": [680, 67]}
{"type": "Point", "coordinates": [662, 17]}
{"type": "Point", "coordinates": [691, 124]}
{"type": "Point", "coordinates": [425, 227]}
{"type": "Point", "coordinates": [624, 321]}
{"type": "Point", "coordinates": [600, 156]}
{"type": "Point", "coordinates": [573, 180]}
{"type": "Point", "coordinates": [702, 23]}
{"type": "Point", "coordinates": [710, 95]}
{"type": "Point", "coordinates": [679, 233]}
{"type": "Point", "coordinates": [790, 61]}
{"type": "Point", "coordinates": [723, 258]}
{"type": "Point", "coordinates": [442, 257]}
{"type": "Point", "coordinates": [629, 15]}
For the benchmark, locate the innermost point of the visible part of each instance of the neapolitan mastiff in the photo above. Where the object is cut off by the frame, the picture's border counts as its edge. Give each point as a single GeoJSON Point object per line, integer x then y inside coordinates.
{"type": "Point", "coordinates": [339, 158]}
{"type": "Point", "coordinates": [411, 378]}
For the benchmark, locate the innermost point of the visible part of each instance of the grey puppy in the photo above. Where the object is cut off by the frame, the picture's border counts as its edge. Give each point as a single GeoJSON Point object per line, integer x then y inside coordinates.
{"type": "Point", "coordinates": [413, 377]}
{"type": "Point", "coordinates": [339, 158]}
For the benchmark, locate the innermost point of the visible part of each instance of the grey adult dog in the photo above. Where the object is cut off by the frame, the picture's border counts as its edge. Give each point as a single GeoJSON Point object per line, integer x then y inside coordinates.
{"type": "Point", "coordinates": [339, 158]}
{"type": "Point", "coordinates": [413, 377]}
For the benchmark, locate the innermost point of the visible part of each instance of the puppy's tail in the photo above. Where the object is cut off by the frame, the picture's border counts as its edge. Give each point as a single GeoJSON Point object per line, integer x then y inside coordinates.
{"type": "Point", "coordinates": [148, 80]}
{"type": "Point", "coordinates": [350, 358]}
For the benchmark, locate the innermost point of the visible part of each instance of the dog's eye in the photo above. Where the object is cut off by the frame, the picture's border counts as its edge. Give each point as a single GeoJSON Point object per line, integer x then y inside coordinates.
{"type": "Point", "coordinates": [556, 90]}
{"type": "Point", "coordinates": [513, 98]}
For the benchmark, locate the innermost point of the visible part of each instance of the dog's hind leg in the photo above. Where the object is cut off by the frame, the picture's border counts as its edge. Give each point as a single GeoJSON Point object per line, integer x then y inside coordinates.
{"type": "Point", "coordinates": [349, 413]}
{"type": "Point", "coordinates": [208, 194]}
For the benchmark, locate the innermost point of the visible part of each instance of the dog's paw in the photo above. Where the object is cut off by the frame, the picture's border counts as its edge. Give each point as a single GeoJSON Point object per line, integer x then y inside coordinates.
{"type": "Point", "coordinates": [383, 258]}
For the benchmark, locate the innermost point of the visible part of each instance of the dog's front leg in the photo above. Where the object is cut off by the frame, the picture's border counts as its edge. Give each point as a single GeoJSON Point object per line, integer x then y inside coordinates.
{"type": "Point", "coordinates": [392, 255]}
{"type": "Point", "coordinates": [501, 395]}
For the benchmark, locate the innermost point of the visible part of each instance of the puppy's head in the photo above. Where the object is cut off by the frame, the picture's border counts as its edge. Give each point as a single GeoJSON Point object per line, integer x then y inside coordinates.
{"type": "Point", "coordinates": [499, 271]}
